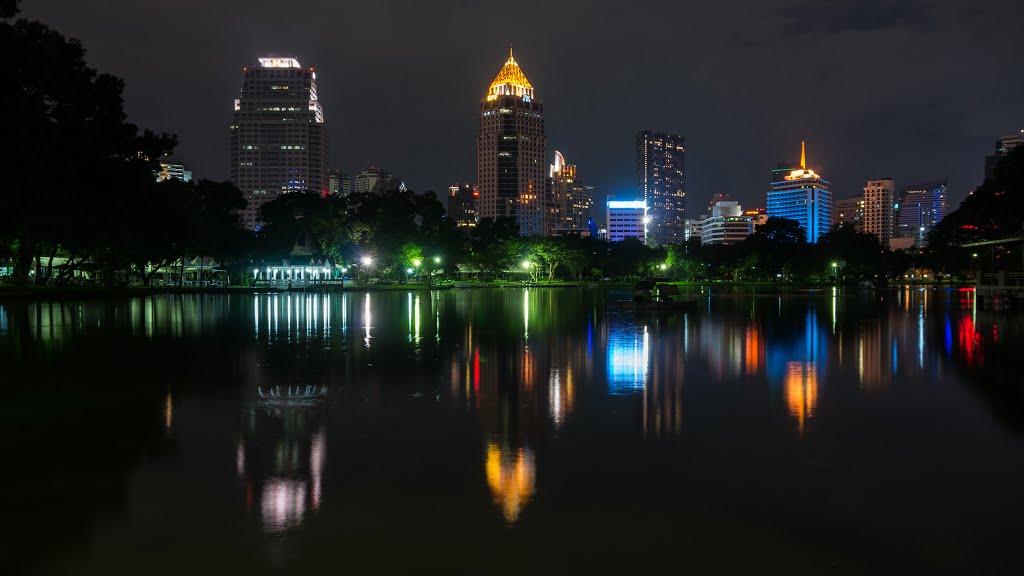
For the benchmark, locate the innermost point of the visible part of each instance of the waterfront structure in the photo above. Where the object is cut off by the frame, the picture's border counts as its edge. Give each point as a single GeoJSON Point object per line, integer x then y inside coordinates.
{"type": "Point", "coordinates": [660, 176]}
{"type": "Point", "coordinates": [170, 169]}
{"type": "Point", "coordinates": [367, 180]}
{"type": "Point", "coordinates": [511, 151]}
{"type": "Point", "coordinates": [462, 204]}
{"type": "Point", "coordinates": [849, 211]}
{"type": "Point", "coordinates": [338, 183]}
{"type": "Point", "coordinates": [570, 201]}
{"type": "Point", "coordinates": [1003, 147]}
{"type": "Point", "coordinates": [877, 210]}
{"type": "Point", "coordinates": [803, 196]}
{"type": "Point", "coordinates": [921, 207]}
{"type": "Point", "coordinates": [278, 136]}
{"type": "Point", "coordinates": [726, 225]}
{"type": "Point", "coordinates": [627, 218]}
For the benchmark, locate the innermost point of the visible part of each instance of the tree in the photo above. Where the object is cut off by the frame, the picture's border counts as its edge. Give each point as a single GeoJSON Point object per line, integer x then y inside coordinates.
{"type": "Point", "coordinates": [71, 114]}
{"type": "Point", "coordinates": [994, 211]}
{"type": "Point", "coordinates": [861, 253]}
{"type": "Point", "coordinates": [494, 244]}
{"type": "Point", "coordinates": [9, 8]}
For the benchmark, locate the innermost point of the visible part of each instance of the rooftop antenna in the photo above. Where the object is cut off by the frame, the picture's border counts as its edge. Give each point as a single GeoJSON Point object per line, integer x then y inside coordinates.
{"type": "Point", "coordinates": [803, 155]}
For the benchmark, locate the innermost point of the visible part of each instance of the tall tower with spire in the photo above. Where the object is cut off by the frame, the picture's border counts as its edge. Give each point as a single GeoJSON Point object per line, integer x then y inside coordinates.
{"type": "Point", "coordinates": [511, 150]}
{"type": "Point", "coordinates": [803, 196]}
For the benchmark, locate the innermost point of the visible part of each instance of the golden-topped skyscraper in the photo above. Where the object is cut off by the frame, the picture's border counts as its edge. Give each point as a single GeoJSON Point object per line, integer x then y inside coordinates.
{"type": "Point", "coordinates": [510, 151]}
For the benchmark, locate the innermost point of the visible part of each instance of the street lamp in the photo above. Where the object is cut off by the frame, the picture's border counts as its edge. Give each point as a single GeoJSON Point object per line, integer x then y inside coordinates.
{"type": "Point", "coordinates": [526, 264]}
{"type": "Point", "coordinates": [437, 259]}
{"type": "Point", "coordinates": [417, 262]}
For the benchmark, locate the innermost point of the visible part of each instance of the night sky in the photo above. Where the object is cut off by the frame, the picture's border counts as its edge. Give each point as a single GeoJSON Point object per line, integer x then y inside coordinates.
{"type": "Point", "coordinates": [912, 89]}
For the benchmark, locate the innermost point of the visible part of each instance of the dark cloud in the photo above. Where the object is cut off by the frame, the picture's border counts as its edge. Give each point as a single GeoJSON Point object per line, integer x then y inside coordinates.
{"type": "Point", "coordinates": [838, 16]}
{"type": "Point", "coordinates": [914, 89]}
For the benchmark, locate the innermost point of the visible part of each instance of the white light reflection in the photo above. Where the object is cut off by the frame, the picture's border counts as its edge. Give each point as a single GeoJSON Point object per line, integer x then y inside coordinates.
{"type": "Point", "coordinates": [344, 315]}
{"type": "Point", "coordinates": [283, 504]}
{"type": "Point", "coordinates": [317, 455]}
{"type": "Point", "coordinates": [920, 331]}
{"type": "Point", "coordinates": [526, 314]}
{"type": "Point", "coordinates": [368, 319]}
{"type": "Point", "coordinates": [416, 320]}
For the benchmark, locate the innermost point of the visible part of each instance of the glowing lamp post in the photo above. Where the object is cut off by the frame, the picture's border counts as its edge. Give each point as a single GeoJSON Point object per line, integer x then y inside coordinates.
{"type": "Point", "coordinates": [367, 262]}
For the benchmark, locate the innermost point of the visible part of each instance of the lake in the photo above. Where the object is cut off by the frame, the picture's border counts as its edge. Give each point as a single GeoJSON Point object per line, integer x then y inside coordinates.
{"type": "Point", "coordinates": [512, 431]}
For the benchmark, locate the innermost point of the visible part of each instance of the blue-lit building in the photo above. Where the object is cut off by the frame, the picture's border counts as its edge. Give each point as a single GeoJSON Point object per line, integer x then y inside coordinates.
{"type": "Point", "coordinates": [920, 209]}
{"type": "Point", "coordinates": [803, 196]}
{"type": "Point", "coordinates": [627, 218]}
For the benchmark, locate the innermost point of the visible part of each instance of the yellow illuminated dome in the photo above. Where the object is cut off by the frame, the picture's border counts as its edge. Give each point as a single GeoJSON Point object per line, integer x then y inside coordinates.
{"type": "Point", "coordinates": [510, 81]}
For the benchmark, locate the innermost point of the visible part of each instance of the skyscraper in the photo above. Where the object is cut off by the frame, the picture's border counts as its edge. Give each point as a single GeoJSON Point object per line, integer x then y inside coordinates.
{"type": "Point", "coordinates": [660, 179]}
{"type": "Point", "coordinates": [921, 208]}
{"type": "Point", "coordinates": [570, 200]}
{"type": "Point", "coordinates": [879, 200]}
{"type": "Point", "coordinates": [368, 179]}
{"type": "Point", "coordinates": [338, 183]}
{"type": "Point", "coordinates": [803, 196]}
{"type": "Point", "coordinates": [462, 200]}
{"type": "Point", "coordinates": [849, 211]}
{"type": "Point", "coordinates": [511, 148]}
{"type": "Point", "coordinates": [278, 137]}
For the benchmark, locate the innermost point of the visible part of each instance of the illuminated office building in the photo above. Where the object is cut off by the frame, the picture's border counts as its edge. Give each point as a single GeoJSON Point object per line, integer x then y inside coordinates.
{"type": "Point", "coordinates": [877, 215]}
{"type": "Point", "coordinates": [278, 137]}
{"type": "Point", "coordinates": [462, 200]}
{"type": "Point", "coordinates": [570, 200]}
{"type": "Point", "coordinates": [367, 180]}
{"type": "Point", "coordinates": [802, 196]}
{"type": "Point", "coordinates": [627, 218]}
{"type": "Point", "coordinates": [921, 208]}
{"type": "Point", "coordinates": [511, 151]}
{"type": "Point", "coordinates": [169, 169]}
{"type": "Point", "coordinates": [338, 183]}
{"type": "Point", "coordinates": [849, 211]}
{"type": "Point", "coordinates": [726, 225]}
{"type": "Point", "coordinates": [661, 183]}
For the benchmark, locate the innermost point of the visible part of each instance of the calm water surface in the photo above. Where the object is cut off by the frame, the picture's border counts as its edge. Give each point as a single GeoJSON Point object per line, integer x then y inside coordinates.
{"type": "Point", "coordinates": [511, 431]}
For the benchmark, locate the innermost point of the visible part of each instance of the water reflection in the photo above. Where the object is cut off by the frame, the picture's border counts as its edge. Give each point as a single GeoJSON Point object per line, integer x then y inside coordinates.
{"type": "Point", "coordinates": [801, 390]}
{"type": "Point", "coordinates": [280, 457]}
{"type": "Point", "coordinates": [523, 391]}
{"type": "Point", "coordinates": [511, 476]}
{"type": "Point", "coordinates": [628, 358]}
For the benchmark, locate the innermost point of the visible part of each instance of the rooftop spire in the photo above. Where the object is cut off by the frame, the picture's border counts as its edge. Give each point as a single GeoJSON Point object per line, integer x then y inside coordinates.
{"type": "Point", "coordinates": [510, 80]}
{"type": "Point", "coordinates": [803, 155]}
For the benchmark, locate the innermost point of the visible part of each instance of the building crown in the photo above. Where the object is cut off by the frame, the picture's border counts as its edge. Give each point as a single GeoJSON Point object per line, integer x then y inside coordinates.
{"type": "Point", "coordinates": [510, 81]}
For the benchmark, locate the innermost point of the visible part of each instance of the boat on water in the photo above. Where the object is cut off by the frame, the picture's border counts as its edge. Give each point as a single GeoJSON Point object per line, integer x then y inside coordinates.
{"type": "Point", "coordinates": [291, 397]}
{"type": "Point", "coordinates": [650, 295]}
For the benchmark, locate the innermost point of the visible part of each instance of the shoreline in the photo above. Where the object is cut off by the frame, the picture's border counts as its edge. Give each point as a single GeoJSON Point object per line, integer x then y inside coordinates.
{"type": "Point", "coordinates": [77, 292]}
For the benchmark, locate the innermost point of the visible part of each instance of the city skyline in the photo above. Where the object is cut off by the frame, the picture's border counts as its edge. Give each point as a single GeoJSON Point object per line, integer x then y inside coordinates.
{"type": "Point", "coordinates": [929, 134]}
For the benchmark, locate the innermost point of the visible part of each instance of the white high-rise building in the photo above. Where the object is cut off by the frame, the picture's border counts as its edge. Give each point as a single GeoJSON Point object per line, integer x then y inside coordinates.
{"type": "Point", "coordinates": [877, 210]}
{"type": "Point", "coordinates": [726, 225]}
{"type": "Point", "coordinates": [278, 136]}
